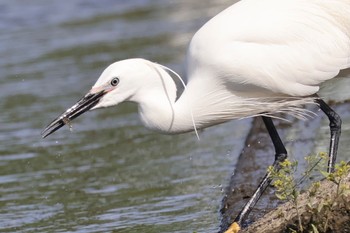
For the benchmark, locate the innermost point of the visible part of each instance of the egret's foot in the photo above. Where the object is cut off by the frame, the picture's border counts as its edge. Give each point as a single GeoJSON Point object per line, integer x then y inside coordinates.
{"type": "Point", "coordinates": [234, 228]}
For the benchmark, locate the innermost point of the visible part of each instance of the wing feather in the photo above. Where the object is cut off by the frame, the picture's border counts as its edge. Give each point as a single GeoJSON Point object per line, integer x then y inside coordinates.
{"type": "Point", "coordinates": [286, 47]}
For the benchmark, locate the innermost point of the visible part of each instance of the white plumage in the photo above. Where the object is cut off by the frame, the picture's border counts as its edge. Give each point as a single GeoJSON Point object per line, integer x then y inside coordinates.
{"type": "Point", "coordinates": [280, 46]}
{"type": "Point", "coordinates": [257, 57]}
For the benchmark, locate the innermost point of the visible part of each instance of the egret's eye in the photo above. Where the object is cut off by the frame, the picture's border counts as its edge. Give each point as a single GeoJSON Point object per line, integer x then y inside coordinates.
{"type": "Point", "coordinates": [114, 82]}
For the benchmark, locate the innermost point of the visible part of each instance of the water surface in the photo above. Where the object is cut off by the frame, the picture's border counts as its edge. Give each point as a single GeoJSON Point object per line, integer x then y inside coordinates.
{"type": "Point", "coordinates": [110, 173]}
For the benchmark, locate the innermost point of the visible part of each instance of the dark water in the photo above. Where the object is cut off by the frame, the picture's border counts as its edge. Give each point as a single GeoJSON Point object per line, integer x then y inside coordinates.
{"type": "Point", "coordinates": [110, 173]}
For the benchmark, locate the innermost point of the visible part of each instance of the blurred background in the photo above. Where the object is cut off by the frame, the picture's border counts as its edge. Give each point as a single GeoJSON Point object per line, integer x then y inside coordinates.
{"type": "Point", "coordinates": [109, 173]}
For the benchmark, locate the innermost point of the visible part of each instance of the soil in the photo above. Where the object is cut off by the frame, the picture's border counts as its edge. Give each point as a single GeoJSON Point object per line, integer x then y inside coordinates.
{"type": "Point", "coordinates": [257, 155]}
{"type": "Point", "coordinates": [284, 218]}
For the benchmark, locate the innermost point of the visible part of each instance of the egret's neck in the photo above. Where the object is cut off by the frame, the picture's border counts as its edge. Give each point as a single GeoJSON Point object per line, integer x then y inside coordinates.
{"type": "Point", "coordinates": [196, 107]}
{"type": "Point", "coordinates": [158, 107]}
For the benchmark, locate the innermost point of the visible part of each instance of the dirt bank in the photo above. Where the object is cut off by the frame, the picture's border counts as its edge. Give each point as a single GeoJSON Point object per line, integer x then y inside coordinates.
{"type": "Point", "coordinates": [301, 139]}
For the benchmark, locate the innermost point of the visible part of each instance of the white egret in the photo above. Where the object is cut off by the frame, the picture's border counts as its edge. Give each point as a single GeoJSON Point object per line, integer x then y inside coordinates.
{"type": "Point", "coordinates": [256, 58]}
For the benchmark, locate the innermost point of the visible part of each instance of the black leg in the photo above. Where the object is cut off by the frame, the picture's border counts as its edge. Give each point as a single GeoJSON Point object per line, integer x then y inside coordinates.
{"type": "Point", "coordinates": [280, 156]}
{"type": "Point", "coordinates": [335, 128]}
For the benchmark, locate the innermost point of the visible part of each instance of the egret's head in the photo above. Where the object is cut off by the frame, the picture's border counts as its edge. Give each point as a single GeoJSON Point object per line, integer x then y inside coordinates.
{"type": "Point", "coordinates": [120, 82]}
{"type": "Point", "coordinates": [126, 80]}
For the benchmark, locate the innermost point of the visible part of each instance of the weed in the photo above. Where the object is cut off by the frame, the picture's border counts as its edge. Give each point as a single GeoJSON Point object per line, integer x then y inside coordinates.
{"type": "Point", "coordinates": [287, 188]}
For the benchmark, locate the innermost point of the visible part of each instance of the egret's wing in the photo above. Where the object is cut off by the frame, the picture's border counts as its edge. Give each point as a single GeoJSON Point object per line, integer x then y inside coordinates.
{"type": "Point", "coordinates": [284, 46]}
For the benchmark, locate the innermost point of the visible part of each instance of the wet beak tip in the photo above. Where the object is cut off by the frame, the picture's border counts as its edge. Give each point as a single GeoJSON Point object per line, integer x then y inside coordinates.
{"type": "Point", "coordinates": [44, 134]}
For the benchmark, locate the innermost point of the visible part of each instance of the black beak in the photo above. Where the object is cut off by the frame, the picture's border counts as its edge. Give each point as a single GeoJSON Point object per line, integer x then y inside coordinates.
{"type": "Point", "coordinates": [83, 105]}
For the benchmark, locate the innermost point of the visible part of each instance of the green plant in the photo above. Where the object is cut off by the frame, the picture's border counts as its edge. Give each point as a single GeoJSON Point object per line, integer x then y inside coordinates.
{"type": "Point", "coordinates": [288, 188]}
{"type": "Point", "coordinates": [285, 184]}
{"type": "Point", "coordinates": [324, 208]}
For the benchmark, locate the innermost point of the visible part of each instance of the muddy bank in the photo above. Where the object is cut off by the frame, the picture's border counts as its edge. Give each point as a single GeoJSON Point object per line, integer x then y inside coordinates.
{"type": "Point", "coordinates": [284, 218]}
{"type": "Point", "coordinates": [301, 138]}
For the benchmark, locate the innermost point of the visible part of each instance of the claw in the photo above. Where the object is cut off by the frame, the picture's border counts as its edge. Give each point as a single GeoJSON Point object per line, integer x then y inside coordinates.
{"type": "Point", "coordinates": [234, 228]}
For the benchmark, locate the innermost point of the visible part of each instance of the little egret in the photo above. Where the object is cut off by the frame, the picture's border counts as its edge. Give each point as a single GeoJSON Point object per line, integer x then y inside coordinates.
{"type": "Point", "coordinates": [256, 58]}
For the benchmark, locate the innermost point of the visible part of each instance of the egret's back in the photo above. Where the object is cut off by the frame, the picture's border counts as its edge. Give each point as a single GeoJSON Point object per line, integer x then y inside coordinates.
{"type": "Point", "coordinates": [281, 47]}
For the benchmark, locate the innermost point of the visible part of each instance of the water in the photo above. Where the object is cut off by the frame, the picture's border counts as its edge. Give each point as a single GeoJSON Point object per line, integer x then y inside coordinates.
{"type": "Point", "coordinates": [109, 174]}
